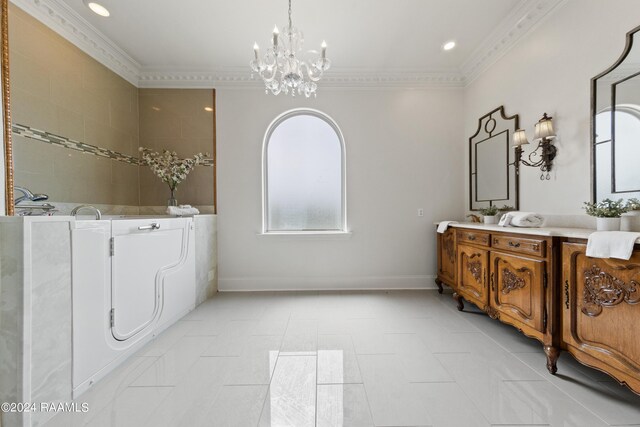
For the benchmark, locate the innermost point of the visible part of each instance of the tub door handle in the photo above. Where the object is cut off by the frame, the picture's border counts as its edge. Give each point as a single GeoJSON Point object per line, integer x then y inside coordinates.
{"type": "Point", "coordinates": [152, 226]}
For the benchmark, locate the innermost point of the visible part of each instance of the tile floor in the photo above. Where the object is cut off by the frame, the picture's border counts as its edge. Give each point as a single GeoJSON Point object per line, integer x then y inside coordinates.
{"type": "Point", "coordinates": [348, 359]}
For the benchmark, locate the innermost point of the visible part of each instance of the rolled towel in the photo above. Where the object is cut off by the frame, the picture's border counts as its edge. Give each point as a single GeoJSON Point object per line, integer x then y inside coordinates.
{"type": "Point", "coordinates": [443, 225]}
{"type": "Point", "coordinates": [182, 210]}
{"type": "Point", "coordinates": [611, 244]}
{"type": "Point", "coordinates": [526, 219]}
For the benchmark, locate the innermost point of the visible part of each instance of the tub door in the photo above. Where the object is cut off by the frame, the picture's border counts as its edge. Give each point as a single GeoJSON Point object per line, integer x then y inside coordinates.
{"type": "Point", "coordinates": [143, 251]}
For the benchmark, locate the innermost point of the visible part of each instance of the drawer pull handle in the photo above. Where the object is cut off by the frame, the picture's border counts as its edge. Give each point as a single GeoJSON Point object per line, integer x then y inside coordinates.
{"type": "Point", "coordinates": [566, 293]}
{"type": "Point", "coordinates": [514, 245]}
{"type": "Point", "coordinates": [152, 226]}
{"type": "Point", "coordinates": [471, 237]}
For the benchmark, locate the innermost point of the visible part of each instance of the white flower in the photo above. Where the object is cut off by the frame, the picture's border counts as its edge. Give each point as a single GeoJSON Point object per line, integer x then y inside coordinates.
{"type": "Point", "coordinates": [168, 166]}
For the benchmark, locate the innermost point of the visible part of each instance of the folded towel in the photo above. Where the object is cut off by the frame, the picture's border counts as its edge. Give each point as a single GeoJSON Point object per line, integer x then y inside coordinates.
{"type": "Point", "coordinates": [443, 225]}
{"type": "Point", "coordinates": [182, 210]}
{"type": "Point", "coordinates": [611, 244]}
{"type": "Point", "coordinates": [526, 219]}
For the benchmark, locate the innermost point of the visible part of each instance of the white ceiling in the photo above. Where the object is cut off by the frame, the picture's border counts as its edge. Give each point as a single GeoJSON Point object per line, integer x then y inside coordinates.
{"type": "Point", "coordinates": [191, 42]}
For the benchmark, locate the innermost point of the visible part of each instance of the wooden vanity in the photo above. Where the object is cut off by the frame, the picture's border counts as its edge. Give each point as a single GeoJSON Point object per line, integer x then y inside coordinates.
{"type": "Point", "coordinates": [541, 282]}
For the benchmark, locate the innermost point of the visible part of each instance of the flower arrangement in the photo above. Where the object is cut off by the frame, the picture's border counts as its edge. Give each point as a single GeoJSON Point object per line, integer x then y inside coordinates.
{"type": "Point", "coordinates": [167, 166]}
{"type": "Point", "coordinates": [606, 209]}
{"type": "Point", "coordinates": [490, 211]}
{"type": "Point", "coordinates": [633, 205]}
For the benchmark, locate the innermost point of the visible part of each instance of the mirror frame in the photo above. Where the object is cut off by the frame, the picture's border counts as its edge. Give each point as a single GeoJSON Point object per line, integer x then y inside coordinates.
{"type": "Point", "coordinates": [6, 108]}
{"type": "Point", "coordinates": [594, 86]}
{"type": "Point", "coordinates": [482, 125]}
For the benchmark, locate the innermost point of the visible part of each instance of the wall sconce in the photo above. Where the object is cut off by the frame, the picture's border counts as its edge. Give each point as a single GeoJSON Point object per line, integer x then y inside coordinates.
{"type": "Point", "coordinates": [544, 153]}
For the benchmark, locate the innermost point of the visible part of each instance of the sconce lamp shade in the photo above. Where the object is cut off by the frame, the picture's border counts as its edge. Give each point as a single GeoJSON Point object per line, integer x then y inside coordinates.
{"type": "Point", "coordinates": [519, 138]}
{"type": "Point", "coordinates": [544, 128]}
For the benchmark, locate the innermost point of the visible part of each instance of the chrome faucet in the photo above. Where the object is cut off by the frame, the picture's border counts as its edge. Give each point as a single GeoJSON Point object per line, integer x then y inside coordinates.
{"type": "Point", "coordinates": [75, 210]}
{"type": "Point", "coordinates": [28, 195]}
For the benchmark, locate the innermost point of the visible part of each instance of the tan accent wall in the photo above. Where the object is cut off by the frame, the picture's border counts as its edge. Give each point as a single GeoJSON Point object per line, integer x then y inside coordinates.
{"type": "Point", "coordinates": [57, 88]}
{"type": "Point", "coordinates": [176, 120]}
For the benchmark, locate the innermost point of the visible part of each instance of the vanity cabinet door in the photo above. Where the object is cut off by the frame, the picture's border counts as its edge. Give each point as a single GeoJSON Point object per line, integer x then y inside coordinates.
{"type": "Point", "coordinates": [447, 257]}
{"type": "Point", "coordinates": [472, 275]}
{"type": "Point", "coordinates": [518, 291]}
{"type": "Point", "coordinates": [601, 312]}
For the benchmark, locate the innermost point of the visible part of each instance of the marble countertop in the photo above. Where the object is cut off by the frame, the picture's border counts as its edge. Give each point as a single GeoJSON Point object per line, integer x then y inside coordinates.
{"type": "Point", "coordinates": [568, 232]}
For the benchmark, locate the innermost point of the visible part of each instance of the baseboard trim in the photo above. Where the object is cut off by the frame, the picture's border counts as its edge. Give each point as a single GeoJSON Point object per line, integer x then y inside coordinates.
{"type": "Point", "coordinates": [361, 283]}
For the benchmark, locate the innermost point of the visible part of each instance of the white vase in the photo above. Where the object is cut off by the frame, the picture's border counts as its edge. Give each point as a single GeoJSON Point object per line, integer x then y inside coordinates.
{"type": "Point", "coordinates": [630, 221]}
{"type": "Point", "coordinates": [489, 219]}
{"type": "Point", "coordinates": [608, 224]}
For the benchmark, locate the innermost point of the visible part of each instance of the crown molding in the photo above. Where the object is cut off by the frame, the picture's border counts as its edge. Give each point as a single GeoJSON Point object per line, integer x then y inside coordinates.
{"type": "Point", "coordinates": [66, 22]}
{"type": "Point", "coordinates": [355, 78]}
{"type": "Point", "coordinates": [524, 17]}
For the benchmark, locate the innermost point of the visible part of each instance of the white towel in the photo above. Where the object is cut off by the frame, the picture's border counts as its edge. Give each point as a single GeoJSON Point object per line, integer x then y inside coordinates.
{"type": "Point", "coordinates": [443, 225]}
{"type": "Point", "coordinates": [526, 219]}
{"type": "Point", "coordinates": [182, 210]}
{"type": "Point", "coordinates": [611, 244]}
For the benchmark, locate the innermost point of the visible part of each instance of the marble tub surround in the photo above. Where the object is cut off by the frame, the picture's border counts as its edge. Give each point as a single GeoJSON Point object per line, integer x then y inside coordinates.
{"type": "Point", "coordinates": [11, 317]}
{"type": "Point", "coordinates": [50, 315]}
{"type": "Point", "coordinates": [35, 307]}
{"type": "Point", "coordinates": [66, 208]}
{"type": "Point", "coordinates": [36, 278]}
{"type": "Point", "coordinates": [206, 257]}
{"type": "Point", "coordinates": [162, 210]}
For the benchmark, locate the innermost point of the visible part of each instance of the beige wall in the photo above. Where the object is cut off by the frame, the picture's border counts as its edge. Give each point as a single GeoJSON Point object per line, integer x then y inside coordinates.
{"type": "Point", "coordinates": [57, 88]}
{"type": "Point", "coordinates": [176, 120]}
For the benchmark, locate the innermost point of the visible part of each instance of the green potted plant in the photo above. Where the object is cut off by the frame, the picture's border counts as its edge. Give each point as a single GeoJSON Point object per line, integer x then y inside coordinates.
{"type": "Point", "coordinates": [607, 213]}
{"type": "Point", "coordinates": [489, 214]}
{"type": "Point", "coordinates": [629, 220]}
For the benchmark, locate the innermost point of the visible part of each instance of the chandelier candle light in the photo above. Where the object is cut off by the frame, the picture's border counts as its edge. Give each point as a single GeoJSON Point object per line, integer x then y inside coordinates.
{"type": "Point", "coordinates": [283, 70]}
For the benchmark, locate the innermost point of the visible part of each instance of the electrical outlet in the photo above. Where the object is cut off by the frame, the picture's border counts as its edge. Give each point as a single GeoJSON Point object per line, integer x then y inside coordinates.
{"type": "Point", "coordinates": [420, 212]}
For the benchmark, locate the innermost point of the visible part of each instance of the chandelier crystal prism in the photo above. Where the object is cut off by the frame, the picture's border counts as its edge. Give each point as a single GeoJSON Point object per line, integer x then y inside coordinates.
{"type": "Point", "coordinates": [285, 68]}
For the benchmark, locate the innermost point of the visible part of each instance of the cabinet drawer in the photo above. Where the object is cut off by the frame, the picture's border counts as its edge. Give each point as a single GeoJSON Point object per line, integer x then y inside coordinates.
{"type": "Point", "coordinates": [474, 237]}
{"type": "Point", "coordinates": [537, 247]}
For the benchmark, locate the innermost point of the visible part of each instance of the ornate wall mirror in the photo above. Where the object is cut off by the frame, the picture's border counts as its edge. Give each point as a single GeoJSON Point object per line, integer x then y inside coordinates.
{"type": "Point", "coordinates": [615, 126]}
{"type": "Point", "coordinates": [493, 179]}
{"type": "Point", "coordinates": [6, 163]}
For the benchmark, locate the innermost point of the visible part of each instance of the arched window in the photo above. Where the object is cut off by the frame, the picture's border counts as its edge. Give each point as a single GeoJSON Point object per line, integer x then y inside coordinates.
{"type": "Point", "coordinates": [303, 174]}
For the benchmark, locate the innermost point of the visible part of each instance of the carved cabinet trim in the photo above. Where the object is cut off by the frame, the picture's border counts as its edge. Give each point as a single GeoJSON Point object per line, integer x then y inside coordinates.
{"type": "Point", "coordinates": [603, 289]}
{"type": "Point", "coordinates": [600, 310]}
{"type": "Point", "coordinates": [447, 258]}
{"type": "Point", "coordinates": [518, 291]}
{"type": "Point", "coordinates": [472, 274]}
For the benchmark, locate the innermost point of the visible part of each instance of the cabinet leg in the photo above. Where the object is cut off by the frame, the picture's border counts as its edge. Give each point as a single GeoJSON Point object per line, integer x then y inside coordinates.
{"type": "Point", "coordinates": [553, 353]}
{"type": "Point", "coordinates": [459, 300]}
{"type": "Point", "coordinates": [439, 283]}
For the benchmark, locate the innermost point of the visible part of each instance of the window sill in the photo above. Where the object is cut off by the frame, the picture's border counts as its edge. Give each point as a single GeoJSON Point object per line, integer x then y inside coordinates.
{"type": "Point", "coordinates": [313, 235]}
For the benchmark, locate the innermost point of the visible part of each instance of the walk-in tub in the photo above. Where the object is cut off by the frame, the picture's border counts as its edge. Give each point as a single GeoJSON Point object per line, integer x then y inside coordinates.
{"type": "Point", "coordinates": [131, 278]}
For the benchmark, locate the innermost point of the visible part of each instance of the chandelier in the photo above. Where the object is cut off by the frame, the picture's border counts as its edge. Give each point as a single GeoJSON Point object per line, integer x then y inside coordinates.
{"type": "Point", "coordinates": [283, 67]}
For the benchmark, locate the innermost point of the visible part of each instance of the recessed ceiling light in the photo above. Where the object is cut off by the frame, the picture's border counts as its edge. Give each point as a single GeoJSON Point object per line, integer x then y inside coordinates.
{"type": "Point", "coordinates": [97, 8]}
{"type": "Point", "coordinates": [209, 109]}
{"type": "Point", "coordinates": [449, 45]}
{"type": "Point", "coordinates": [154, 108]}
